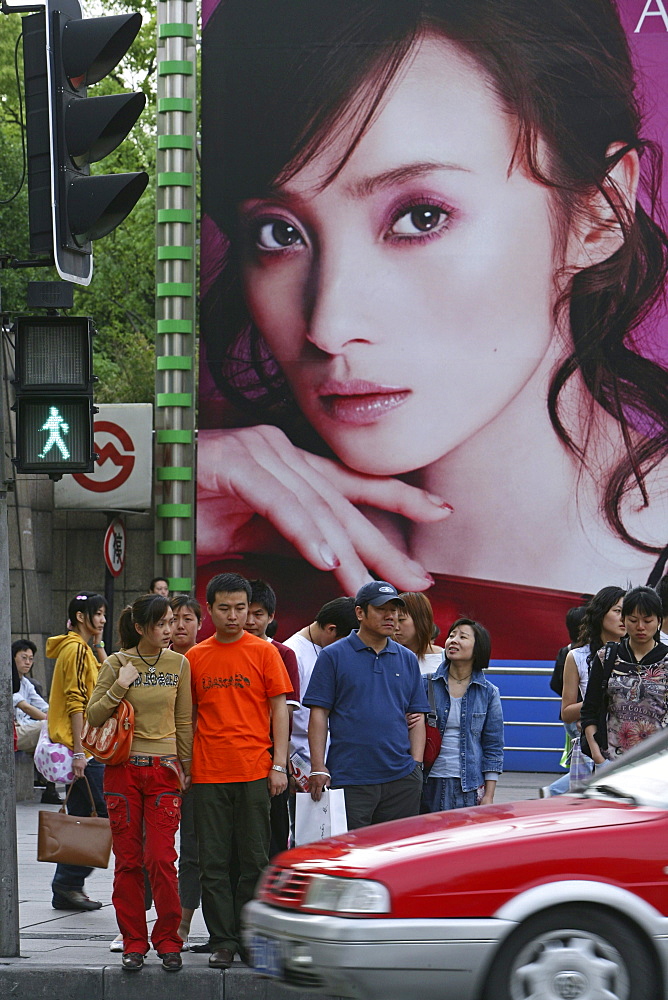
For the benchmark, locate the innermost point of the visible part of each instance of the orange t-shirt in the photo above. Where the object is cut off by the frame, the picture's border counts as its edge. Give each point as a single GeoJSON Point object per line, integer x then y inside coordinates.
{"type": "Point", "coordinates": [232, 683]}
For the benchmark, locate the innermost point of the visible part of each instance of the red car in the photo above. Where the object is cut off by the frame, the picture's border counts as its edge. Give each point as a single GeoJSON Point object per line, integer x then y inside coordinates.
{"type": "Point", "coordinates": [554, 899]}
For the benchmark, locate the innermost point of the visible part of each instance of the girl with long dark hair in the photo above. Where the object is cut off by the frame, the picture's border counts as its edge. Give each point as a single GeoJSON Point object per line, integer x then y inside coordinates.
{"type": "Point", "coordinates": [602, 623]}
{"type": "Point", "coordinates": [144, 794]}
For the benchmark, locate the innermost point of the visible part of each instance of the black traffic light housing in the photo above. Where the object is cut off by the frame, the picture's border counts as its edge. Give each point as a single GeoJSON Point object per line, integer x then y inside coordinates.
{"type": "Point", "coordinates": [54, 394]}
{"type": "Point", "coordinates": [66, 131]}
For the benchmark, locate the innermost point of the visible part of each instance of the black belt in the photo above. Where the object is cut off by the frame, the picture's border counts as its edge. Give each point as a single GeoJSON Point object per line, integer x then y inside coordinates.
{"type": "Point", "coordinates": [145, 760]}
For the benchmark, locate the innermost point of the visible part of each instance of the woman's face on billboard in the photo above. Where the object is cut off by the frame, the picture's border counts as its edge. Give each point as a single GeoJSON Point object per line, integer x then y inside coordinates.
{"type": "Point", "coordinates": [410, 300]}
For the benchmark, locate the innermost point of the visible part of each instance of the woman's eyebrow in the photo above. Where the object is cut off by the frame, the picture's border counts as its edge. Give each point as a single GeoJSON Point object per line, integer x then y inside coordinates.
{"type": "Point", "coordinates": [366, 186]}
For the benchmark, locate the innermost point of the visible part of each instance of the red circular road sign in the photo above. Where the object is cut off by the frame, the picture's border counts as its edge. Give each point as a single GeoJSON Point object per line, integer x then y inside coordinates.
{"type": "Point", "coordinates": [124, 459]}
{"type": "Point", "coordinates": [114, 546]}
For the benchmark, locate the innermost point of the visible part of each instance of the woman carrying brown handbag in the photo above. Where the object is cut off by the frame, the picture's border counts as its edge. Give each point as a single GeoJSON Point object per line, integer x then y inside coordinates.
{"type": "Point", "coordinates": [144, 794]}
{"type": "Point", "coordinates": [74, 678]}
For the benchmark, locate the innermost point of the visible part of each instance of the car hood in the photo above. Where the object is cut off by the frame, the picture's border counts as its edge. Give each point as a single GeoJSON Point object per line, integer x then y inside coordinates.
{"type": "Point", "coordinates": [506, 827]}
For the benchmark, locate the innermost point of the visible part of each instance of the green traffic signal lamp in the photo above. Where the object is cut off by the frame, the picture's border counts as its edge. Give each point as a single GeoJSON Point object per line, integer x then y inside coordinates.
{"type": "Point", "coordinates": [54, 395]}
{"type": "Point", "coordinates": [54, 434]}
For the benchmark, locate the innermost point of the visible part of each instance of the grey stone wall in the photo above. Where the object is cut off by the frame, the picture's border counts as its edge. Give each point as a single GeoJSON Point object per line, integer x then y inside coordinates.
{"type": "Point", "coordinates": [55, 554]}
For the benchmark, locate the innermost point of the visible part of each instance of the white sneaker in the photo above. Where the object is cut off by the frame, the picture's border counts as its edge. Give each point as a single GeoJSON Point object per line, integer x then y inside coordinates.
{"type": "Point", "coordinates": [544, 792]}
{"type": "Point", "coordinates": [117, 943]}
{"type": "Point", "coordinates": [186, 944]}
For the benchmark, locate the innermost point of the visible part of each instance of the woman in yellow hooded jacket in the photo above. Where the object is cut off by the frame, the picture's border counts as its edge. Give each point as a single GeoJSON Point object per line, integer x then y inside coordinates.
{"type": "Point", "coordinates": [74, 677]}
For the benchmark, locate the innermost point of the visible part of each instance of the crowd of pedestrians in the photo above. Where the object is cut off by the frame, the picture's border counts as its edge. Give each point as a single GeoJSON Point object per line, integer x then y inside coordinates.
{"type": "Point", "coordinates": [216, 723]}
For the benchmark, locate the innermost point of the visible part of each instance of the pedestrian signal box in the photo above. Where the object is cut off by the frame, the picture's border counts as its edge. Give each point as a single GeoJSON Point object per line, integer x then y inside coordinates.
{"type": "Point", "coordinates": [54, 395]}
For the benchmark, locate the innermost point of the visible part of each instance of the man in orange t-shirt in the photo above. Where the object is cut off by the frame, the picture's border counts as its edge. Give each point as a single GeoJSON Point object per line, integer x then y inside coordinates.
{"type": "Point", "coordinates": [239, 686]}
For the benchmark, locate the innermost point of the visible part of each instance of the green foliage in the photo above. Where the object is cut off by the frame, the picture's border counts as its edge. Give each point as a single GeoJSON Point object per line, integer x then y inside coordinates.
{"type": "Point", "coordinates": [121, 296]}
{"type": "Point", "coordinates": [13, 197]}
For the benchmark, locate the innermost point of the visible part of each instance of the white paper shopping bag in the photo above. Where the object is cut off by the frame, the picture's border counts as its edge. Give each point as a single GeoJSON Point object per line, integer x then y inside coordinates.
{"type": "Point", "coordinates": [317, 820]}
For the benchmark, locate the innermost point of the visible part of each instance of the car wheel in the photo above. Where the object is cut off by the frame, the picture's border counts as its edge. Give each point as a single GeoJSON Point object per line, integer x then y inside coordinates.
{"type": "Point", "coordinates": [573, 953]}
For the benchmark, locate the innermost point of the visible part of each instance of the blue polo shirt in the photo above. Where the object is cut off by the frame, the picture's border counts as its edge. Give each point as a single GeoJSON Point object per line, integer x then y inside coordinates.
{"type": "Point", "coordinates": [368, 695]}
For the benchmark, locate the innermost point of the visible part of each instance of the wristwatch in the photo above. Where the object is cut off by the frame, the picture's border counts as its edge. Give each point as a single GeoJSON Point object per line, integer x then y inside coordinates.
{"type": "Point", "coordinates": [277, 767]}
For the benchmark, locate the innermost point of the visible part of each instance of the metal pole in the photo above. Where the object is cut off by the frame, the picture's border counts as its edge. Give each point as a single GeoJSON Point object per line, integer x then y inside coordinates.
{"type": "Point", "coordinates": [109, 601]}
{"type": "Point", "coordinates": [9, 881]}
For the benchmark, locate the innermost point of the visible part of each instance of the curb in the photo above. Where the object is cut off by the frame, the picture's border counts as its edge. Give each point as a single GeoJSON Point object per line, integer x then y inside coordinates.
{"type": "Point", "coordinates": [43, 982]}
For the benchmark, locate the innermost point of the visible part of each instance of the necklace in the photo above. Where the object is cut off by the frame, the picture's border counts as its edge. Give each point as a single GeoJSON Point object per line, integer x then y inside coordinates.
{"type": "Point", "coordinates": [315, 648]}
{"type": "Point", "coordinates": [460, 680]}
{"type": "Point", "coordinates": [151, 666]}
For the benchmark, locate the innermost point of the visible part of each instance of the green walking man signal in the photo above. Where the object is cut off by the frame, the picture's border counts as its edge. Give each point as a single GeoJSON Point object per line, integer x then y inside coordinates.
{"type": "Point", "coordinates": [54, 394]}
{"type": "Point", "coordinates": [54, 425]}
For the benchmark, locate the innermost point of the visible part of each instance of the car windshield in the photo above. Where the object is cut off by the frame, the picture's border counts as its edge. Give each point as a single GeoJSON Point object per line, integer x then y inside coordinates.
{"type": "Point", "coordinates": [641, 775]}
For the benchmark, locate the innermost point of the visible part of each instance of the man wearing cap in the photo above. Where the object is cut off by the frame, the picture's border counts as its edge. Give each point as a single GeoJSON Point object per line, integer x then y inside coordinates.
{"type": "Point", "coordinates": [362, 687]}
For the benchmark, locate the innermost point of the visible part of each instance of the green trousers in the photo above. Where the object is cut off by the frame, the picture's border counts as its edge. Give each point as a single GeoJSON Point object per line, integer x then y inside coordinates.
{"type": "Point", "coordinates": [230, 816]}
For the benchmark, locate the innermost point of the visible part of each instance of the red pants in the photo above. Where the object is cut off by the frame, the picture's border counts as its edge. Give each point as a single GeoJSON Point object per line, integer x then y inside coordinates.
{"type": "Point", "coordinates": [144, 805]}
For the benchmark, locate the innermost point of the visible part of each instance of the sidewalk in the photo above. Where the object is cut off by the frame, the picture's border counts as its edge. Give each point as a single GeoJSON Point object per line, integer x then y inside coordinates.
{"type": "Point", "coordinates": [65, 956]}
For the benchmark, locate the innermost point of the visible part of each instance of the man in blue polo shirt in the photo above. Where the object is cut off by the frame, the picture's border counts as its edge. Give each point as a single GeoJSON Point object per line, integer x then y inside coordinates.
{"type": "Point", "coordinates": [361, 688]}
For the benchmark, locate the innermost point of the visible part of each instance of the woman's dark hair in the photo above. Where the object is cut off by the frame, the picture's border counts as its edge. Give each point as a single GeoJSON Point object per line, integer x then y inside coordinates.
{"type": "Point", "coordinates": [643, 601]}
{"type": "Point", "coordinates": [418, 606]}
{"type": "Point", "coordinates": [88, 603]}
{"type": "Point", "coordinates": [280, 76]}
{"type": "Point", "coordinates": [482, 648]}
{"type": "Point", "coordinates": [662, 591]}
{"type": "Point", "coordinates": [574, 618]}
{"type": "Point", "coordinates": [595, 612]}
{"type": "Point", "coordinates": [145, 612]}
{"type": "Point", "coordinates": [16, 680]}
{"type": "Point", "coordinates": [20, 644]}
{"type": "Point", "coordinates": [186, 601]}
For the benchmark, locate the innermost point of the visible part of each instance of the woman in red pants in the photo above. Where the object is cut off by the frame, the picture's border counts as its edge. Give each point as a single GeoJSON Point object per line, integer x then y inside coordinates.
{"type": "Point", "coordinates": [144, 794]}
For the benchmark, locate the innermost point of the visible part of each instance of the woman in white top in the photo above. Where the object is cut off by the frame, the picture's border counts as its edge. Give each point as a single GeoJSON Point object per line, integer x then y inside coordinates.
{"type": "Point", "coordinates": [415, 630]}
{"type": "Point", "coordinates": [602, 623]}
{"type": "Point", "coordinates": [30, 709]}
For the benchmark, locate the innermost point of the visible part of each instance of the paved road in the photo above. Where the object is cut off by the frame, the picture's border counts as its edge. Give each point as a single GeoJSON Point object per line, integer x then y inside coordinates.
{"type": "Point", "coordinates": [65, 956]}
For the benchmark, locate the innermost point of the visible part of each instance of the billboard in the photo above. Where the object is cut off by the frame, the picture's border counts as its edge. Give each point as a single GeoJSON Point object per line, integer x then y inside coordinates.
{"type": "Point", "coordinates": [434, 348]}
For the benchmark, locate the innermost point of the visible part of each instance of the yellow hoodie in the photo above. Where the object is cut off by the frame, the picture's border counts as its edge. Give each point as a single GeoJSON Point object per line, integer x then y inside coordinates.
{"type": "Point", "coordinates": [74, 677]}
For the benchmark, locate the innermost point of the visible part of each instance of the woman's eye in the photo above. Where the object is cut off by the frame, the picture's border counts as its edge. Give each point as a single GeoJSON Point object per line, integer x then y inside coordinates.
{"type": "Point", "coordinates": [419, 219]}
{"type": "Point", "coordinates": [277, 234]}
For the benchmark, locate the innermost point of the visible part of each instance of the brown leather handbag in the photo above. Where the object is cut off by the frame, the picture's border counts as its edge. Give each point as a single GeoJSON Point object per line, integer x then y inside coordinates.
{"type": "Point", "coordinates": [74, 840]}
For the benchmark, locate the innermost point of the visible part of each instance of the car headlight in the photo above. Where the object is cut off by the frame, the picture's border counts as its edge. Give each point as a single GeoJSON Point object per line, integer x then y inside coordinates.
{"type": "Point", "coordinates": [346, 895]}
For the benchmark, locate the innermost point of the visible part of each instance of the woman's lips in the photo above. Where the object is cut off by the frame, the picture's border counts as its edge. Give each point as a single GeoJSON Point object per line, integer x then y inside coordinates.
{"type": "Point", "coordinates": [360, 402]}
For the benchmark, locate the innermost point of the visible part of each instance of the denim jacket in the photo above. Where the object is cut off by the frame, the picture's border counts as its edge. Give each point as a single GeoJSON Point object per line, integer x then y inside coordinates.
{"type": "Point", "coordinates": [481, 732]}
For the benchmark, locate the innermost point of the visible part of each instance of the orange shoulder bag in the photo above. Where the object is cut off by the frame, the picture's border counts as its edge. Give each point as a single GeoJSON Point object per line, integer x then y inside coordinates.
{"type": "Point", "coordinates": [110, 743]}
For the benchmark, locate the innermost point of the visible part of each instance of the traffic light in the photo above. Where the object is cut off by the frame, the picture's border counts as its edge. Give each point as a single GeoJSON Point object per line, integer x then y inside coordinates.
{"type": "Point", "coordinates": [66, 131]}
{"type": "Point", "coordinates": [54, 394]}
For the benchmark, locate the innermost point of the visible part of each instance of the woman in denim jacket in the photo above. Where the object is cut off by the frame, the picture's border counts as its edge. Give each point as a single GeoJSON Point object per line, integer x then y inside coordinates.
{"type": "Point", "coordinates": [468, 709]}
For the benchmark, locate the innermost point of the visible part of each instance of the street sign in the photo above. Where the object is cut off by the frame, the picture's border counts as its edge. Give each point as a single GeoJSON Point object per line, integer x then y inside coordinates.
{"type": "Point", "coordinates": [122, 475]}
{"type": "Point", "coordinates": [114, 546]}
